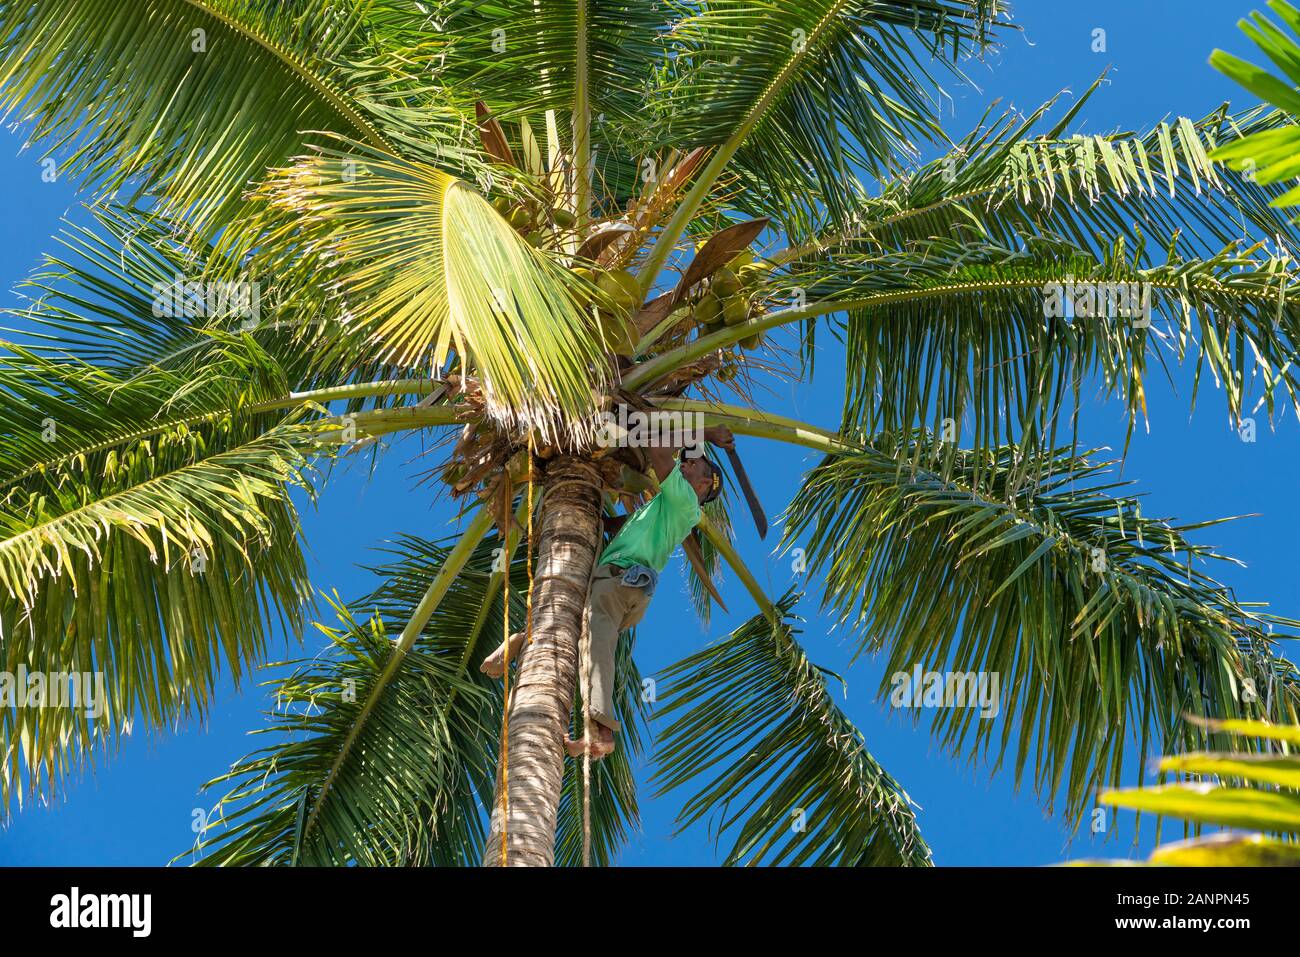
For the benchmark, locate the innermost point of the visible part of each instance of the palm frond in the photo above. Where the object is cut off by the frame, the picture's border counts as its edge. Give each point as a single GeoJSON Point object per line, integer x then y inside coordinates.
{"type": "Point", "coordinates": [434, 726]}
{"type": "Point", "coordinates": [431, 268]}
{"type": "Point", "coordinates": [1259, 789]}
{"type": "Point", "coordinates": [779, 764]}
{"type": "Point", "coordinates": [1270, 155]}
{"type": "Point", "coordinates": [435, 718]}
{"type": "Point", "coordinates": [234, 88]}
{"type": "Point", "coordinates": [990, 337]}
{"type": "Point", "coordinates": [1103, 625]}
{"type": "Point", "coordinates": [523, 57]}
{"type": "Point", "coordinates": [127, 297]}
{"type": "Point", "coordinates": [154, 566]}
{"type": "Point", "coordinates": [1006, 180]}
{"type": "Point", "coordinates": [1008, 184]}
{"type": "Point", "coordinates": [401, 792]}
{"type": "Point", "coordinates": [802, 95]}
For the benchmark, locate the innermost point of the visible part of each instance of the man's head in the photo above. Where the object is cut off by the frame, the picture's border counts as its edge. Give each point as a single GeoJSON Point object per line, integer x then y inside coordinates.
{"type": "Point", "coordinates": [704, 476]}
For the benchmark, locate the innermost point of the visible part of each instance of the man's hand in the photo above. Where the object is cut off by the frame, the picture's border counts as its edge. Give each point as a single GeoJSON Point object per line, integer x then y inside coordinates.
{"type": "Point", "coordinates": [720, 436]}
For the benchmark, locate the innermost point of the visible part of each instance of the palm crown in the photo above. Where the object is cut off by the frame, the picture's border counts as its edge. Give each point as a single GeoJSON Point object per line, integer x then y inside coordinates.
{"type": "Point", "coordinates": [491, 222]}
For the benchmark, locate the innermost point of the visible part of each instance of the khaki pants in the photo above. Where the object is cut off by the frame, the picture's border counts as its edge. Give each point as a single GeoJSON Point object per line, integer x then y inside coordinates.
{"type": "Point", "coordinates": [611, 609]}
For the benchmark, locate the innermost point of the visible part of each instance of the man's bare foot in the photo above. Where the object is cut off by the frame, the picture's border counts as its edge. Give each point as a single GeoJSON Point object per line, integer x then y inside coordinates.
{"type": "Point", "coordinates": [602, 745]}
{"type": "Point", "coordinates": [494, 665]}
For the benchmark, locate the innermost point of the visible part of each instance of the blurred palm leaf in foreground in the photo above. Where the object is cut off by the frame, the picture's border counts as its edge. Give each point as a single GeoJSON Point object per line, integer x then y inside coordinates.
{"type": "Point", "coordinates": [1271, 155]}
{"type": "Point", "coordinates": [1259, 792]}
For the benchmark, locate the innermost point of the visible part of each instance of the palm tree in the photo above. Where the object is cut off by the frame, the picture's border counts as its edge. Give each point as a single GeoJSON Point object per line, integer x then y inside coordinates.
{"type": "Point", "coordinates": [485, 225]}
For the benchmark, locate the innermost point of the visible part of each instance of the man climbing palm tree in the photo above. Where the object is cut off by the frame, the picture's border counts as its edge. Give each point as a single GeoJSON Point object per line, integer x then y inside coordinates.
{"type": "Point", "coordinates": [627, 572]}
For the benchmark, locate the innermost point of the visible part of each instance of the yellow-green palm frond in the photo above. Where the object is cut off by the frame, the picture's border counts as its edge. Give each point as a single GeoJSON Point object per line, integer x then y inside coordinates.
{"type": "Point", "coordinates": [430, 269]}
{"type": "Point", "coordinates": [190, 101]}
{"type": "Point", "coordinates": [1257, 790]}
{"type": "Point", "coordinates": [149, 538]}
{"type": "Point", "coordinates": [154, 566]}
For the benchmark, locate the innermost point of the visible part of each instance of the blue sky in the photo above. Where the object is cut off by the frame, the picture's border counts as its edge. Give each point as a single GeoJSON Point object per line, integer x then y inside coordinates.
{"type": "Point", "coordinates": [138, 807]}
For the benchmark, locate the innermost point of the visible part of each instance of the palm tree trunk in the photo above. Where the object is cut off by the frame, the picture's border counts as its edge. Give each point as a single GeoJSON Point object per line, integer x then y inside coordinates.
{"type": "Point", "coordinates": [542, 689]}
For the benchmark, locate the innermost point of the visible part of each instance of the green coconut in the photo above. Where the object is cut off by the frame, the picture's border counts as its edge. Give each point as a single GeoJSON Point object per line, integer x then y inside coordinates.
{"type": "Point", "coordinates": [619, 334]}
{"type": "Point", "coordinates": [752, 273]}
{"type": "Point", "coordinates": [735, 310]}
{"type": "Point", "coordinates": [708, 311]}
{"type": "Point", "coordinates": [622, 289]}
{"type": "Point", "coordinates": [725, 283]}
{"type": "Point", "coordinates": [520, 218]}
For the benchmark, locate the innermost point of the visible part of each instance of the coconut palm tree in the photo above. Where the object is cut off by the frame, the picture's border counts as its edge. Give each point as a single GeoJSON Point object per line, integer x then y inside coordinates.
{"type": "Point", "coordinates": [319, 227]}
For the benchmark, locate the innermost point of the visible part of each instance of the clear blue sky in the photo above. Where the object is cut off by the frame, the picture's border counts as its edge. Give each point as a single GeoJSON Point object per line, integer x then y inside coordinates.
{"type": "Point", "coordinates": [138, 807]}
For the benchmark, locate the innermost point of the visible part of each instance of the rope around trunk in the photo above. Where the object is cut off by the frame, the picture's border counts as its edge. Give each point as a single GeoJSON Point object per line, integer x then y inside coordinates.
{"type": "Point", "coordinates": [528, 630]}
{"type": "Point", "coordinates": [584, 649]}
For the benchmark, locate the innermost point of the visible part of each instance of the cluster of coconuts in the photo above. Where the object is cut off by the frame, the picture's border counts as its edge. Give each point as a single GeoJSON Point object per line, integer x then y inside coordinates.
{"type": "Point", "coordinates": [728, 300]}
{"type": "Point", "coordinates": [532, 222]}
{"type": "Point", "coordinates": [619, 286]}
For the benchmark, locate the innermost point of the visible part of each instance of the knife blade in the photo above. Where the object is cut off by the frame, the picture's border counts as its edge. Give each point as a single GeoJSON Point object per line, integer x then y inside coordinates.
{"type": "Point", "coordinates": [755, 509]}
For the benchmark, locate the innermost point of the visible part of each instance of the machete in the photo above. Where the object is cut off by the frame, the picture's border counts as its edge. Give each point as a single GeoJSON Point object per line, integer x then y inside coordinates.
{"type": "Point", "coordinates": [755, 509]}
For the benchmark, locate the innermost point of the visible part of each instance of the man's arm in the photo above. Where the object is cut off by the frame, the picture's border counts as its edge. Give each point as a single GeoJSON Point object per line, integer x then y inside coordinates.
{"type": "Point", "coordinates": [663, 458]}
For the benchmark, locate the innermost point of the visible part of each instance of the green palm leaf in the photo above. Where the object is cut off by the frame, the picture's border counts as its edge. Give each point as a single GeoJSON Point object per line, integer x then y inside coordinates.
{"type": "Point", "coordinates": [524, 57]}
{"type": "Point", "coordinates": [1102, 624]}
{"type": "Point", "coordinates": [803, 94]}
{"type": "Point", "coordinates": [432, 268]}
{"type": "Point", "coordinates": [434, 724]}
{"type": "Point", "coordinates": [127, 297]}
{"type": "Point", "coordinates": [576, 71]}
{"type": "Point", "coordinates": [234, 86]}
{"type": "Point", "coordinates": [1006, 181]}
{"type": "Point", "coordinates": [402, 791]}
{"type": "Point", "coordinates": [1270, 155]}
{"type": "Point", "coordinates": [157, 565]}
{"type": "Point", "coordinates": [783, 769]}
{"type": "Point", "coordinates": [956, 328]}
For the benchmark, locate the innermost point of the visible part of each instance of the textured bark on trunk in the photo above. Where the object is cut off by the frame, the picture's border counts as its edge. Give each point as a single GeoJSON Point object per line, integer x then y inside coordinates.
{"type": "Point", "coordinates": [542, 686]}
